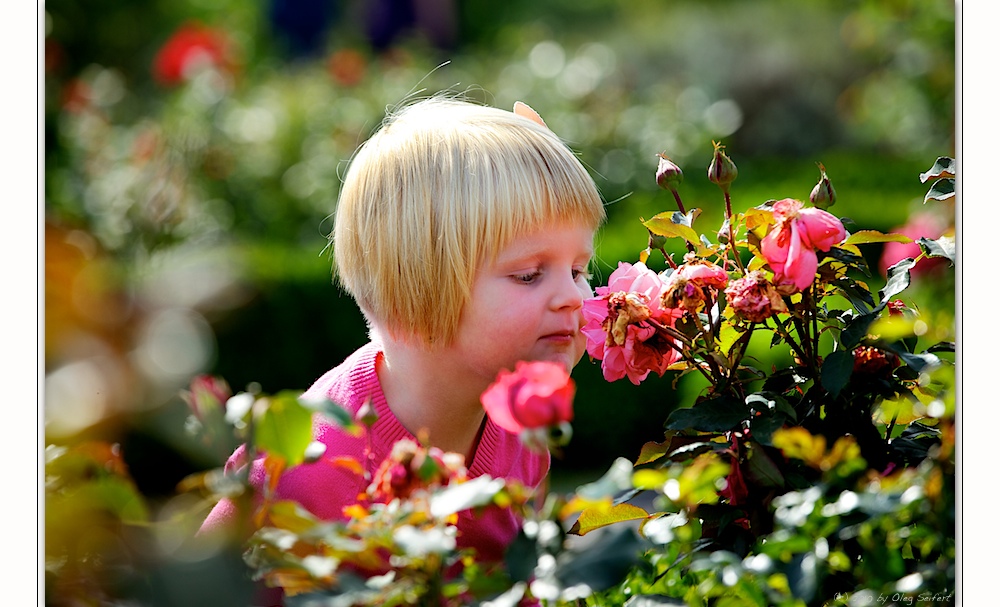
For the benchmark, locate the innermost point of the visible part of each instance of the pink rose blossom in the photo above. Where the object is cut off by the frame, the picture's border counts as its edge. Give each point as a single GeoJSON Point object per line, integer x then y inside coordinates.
{"type": "Point", "coordinates": [790, 247]}
{"type": "Point", "coordinates": [618, 328]}
{"type": "Point", "coordinates": [536, 394]}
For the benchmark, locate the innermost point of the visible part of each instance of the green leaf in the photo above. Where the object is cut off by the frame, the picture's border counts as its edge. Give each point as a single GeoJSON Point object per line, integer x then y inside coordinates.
{"type": "Point", "coordinates": [943, 167]}
{"type": "Point", "coordinates": [720, 414]}
{"type": "Point", "coordinates": [284, 428]}
{"type": "Point", "coordinates": [943, 189]}
{"type": "Point", "coordinates": [334, 413]}
{"type": "Point", "coordinates": [653, 600]}
{"type": "Point", "coordinates": [665, 224]}
{"type": "Point", "coordinates": [836, 371]}
{"type": "Point", "coordinates": [942, 247]}
{"type": "Point", "coordinates": [762, 469]}
{"type": "Point", "coordinates": [856, 330]}
{"type": "Point", "coordinates": [859, 296]}
{"type": "Point", "coordinates": [618, 478]}
{"type": "Point", "coordinates": [898, 281]}
{"type": "Point", "coordinates": [872, 236]}
{"type": "Point", "coordinates": [457, 497]}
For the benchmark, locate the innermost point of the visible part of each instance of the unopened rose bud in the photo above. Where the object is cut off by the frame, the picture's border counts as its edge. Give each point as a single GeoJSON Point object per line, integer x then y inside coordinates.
{"type": "Point", "coordinates": [823, 195]}
{"type": "Point", "coordinates": [722, 171]}
{"type": "Point", "coordinates": [668, 174]}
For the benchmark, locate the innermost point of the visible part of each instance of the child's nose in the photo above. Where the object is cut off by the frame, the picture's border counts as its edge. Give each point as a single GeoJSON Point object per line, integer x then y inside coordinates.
{"type": "Point", "coordinates": [569, 293]}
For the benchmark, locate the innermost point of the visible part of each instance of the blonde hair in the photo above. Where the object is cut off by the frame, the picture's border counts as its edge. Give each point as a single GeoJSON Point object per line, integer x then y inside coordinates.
{"type": "Point", "coordinates": [440, 188]}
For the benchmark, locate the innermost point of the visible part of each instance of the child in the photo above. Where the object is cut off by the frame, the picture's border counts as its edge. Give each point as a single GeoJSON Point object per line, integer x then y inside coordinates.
{"type": "Point", "coordinates": [464, 233]}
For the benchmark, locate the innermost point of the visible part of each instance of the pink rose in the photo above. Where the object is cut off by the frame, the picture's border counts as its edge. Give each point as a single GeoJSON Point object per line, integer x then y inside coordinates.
{"type": "Point", "coordinates": [536, 394]}
{"type": "Point", "coordinates": [790, 246]}
{"type": "Point", "coordinates": [618, 324]}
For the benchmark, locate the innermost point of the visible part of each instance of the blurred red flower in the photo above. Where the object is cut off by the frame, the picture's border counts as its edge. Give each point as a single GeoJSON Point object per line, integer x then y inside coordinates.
{"type": "Point", "coordinates": [192, 46]}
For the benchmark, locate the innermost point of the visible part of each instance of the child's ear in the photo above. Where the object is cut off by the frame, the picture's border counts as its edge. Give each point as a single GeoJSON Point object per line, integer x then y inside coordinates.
{"type": "Point", "coordinates": [522, 109]}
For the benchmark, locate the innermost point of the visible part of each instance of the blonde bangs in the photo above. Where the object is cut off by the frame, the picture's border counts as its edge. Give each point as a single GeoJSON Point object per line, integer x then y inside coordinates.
{"type": "Point", "coordinates": [443, 187]}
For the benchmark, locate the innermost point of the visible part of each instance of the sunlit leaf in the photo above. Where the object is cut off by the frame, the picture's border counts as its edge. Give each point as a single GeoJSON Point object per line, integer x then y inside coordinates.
{"type": "Point", "coordinates": [284, 428]}
{"type": "Point", "coordinates": [872, 236]}
{"type": "Point", "coordinates": [597, 517]}
{"type": "Point", "coordinates": [942, 189]}
{"type": "Point", "coordinates": [462, 496]}
{"type": "Point", "coordinates": [943, 167]}
{"type": "Point", "coordinates": [898, 280]}
{"type": "Point", "coordinates": [942, 247]}
{"type": "Point", "coordinates": [664, 225]}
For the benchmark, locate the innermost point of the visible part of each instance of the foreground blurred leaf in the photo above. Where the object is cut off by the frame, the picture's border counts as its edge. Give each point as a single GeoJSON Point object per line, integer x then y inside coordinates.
{"type": "Point", "coordinates": [284, 427]}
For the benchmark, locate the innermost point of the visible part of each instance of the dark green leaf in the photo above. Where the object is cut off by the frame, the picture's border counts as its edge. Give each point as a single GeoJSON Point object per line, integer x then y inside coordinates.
{"type": "Point", "coordinates": [943, 189]}
{"type": "Point", "coordinates": [521, 558]}
{"type": "Point", "coordinates": [762, 469]}
{"type": "Point", "coordinates": [942, 346]}
{"type": "Point", "coordinates": [860, 297]}
{"type": "Point", "coordinates": [943, 167]}
{"type": "Point", "coordinates": [853, 333]}
{"type": "Point", "coordinates": [942, 247]}
{"type": "Point", "coordinates": [719, 414]}
{"type": "Point", "coordinates": [836, 371]}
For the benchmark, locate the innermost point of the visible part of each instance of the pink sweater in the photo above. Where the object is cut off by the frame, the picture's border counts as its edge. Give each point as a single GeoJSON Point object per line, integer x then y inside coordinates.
{"type": "Point", "coordinates": [324, 489]}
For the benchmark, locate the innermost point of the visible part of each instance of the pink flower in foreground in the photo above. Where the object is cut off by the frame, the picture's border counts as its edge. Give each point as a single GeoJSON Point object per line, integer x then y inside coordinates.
{"type": "Point", "coordinates": [790, 247]}
{"type": "Point", "coordinates": [536, 394]}
{"type": "Point", "coordinates": [618, 328]}
{"type": "Point", "coordinates": [686, 287]}
{"type": "Point", "coordinates": [754, 298]}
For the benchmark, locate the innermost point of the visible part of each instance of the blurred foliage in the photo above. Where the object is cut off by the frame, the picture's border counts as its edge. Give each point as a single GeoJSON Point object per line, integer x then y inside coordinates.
{"type": "Point", "coordinates": [186, 222]}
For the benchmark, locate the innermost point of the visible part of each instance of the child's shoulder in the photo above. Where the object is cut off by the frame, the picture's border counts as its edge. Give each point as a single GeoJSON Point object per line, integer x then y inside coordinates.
{"type": "Point", "coordinates": [351, 382]}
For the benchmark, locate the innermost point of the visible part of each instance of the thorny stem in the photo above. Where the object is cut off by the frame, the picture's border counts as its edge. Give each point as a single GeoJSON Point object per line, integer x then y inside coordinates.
{"type": "Point", "coordinates": [732, 233]}
{"type": "Point", "coordinates": [780, 328]}
{"type": "Point", "coordinates": [680, 207]}
{"type": "Point", "coordinates": [673, 333]}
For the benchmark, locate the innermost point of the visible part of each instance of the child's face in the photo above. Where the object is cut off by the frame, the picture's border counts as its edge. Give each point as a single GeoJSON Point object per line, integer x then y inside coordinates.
{"type": "Point", "coordinates": [527, 304]}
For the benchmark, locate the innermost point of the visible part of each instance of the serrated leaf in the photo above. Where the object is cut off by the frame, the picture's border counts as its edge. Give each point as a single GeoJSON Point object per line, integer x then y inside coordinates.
{"type": "Point", "coordinates": [943, 189]}
{"type": "Point", "coordinates": [943, 167]}
{"type": "Point", "coordinates": [597, 517]}
{"type": "Point", "coordinates": [836, 371]}
{"type": "Point", "coordinates": [942, 247]}
{"type": "Point", "coordinates": [663, 224]}
{"type": "Point", "coordinates": [871, 236]}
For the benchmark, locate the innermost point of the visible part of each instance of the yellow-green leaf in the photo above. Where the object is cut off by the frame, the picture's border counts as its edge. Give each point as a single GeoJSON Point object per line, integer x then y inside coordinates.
{"type": "Point", "coordinates": [595, 518]}
{"type": "Point", "coordinates": [871, 236]}
{"type": "Point", "coordinates": [663, 225]}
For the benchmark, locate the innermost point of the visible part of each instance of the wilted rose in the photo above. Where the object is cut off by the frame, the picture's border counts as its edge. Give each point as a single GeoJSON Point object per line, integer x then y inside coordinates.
{"type": "Point", "coordinates": [411, 467]}
{"type": "Point", "coordinates": [754, 298]}
{"type": "Point", "coordinates": [692, 284]}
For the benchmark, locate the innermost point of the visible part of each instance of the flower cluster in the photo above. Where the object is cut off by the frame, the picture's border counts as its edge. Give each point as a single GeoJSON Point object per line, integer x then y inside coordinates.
{"type": "Point", "coordinates": [624, 322]}
{"type": "Point", "coordinates": [410, 468]}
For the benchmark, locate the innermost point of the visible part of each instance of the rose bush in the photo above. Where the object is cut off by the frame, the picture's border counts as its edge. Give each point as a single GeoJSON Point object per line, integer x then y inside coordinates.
{"type": "Point", "coordinates": [823, 475]}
